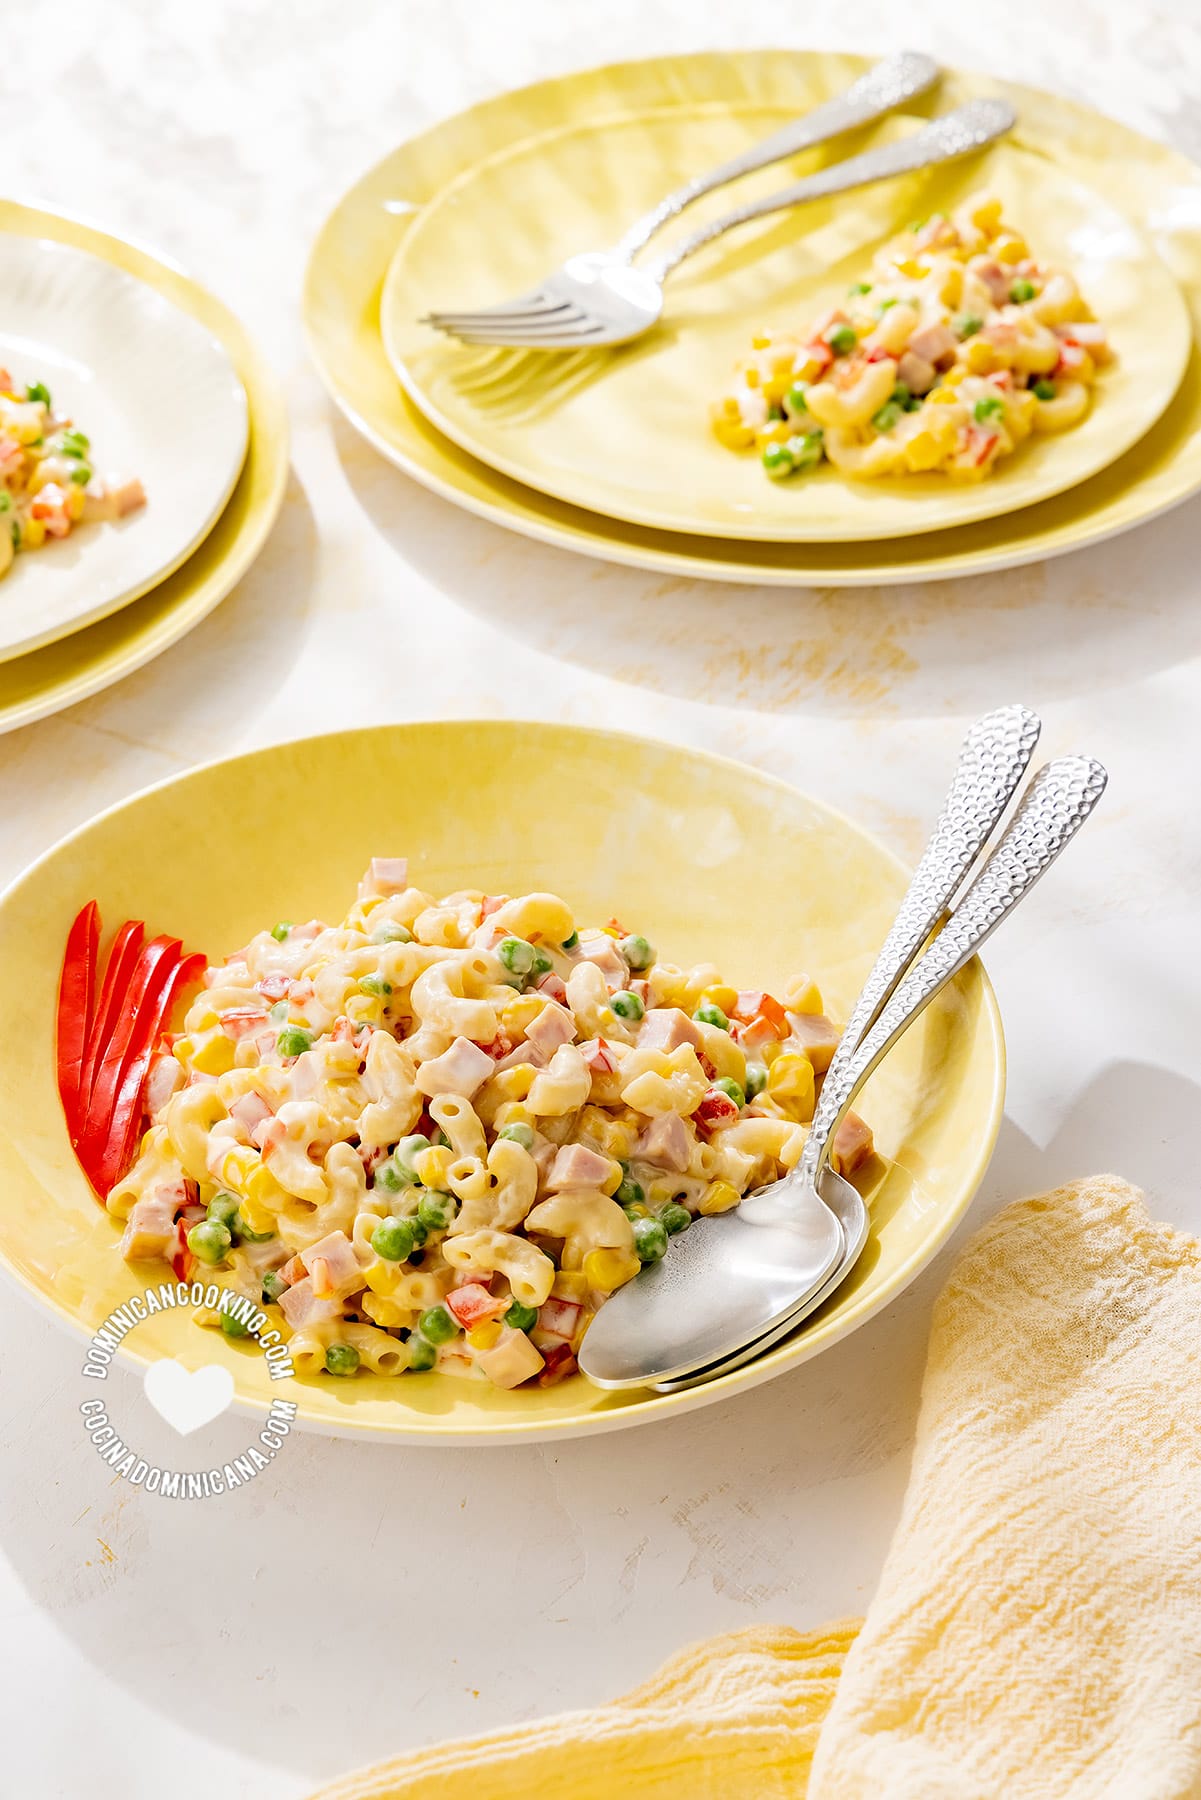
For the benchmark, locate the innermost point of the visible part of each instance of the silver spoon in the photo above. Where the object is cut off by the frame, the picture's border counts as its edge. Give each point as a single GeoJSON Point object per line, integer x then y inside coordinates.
{"type": "Point", "coordinates": [726, 1273]}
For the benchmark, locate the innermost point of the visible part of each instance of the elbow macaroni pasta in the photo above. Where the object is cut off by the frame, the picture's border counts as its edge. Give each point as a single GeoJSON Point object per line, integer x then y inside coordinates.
{"type": "Point", "coordinates": [440, 1133]}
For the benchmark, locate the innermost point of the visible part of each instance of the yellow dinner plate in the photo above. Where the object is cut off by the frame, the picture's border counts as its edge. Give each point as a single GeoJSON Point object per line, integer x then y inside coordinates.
{"type": "Point", "coordinates": [714, 861]}
{"type": "Point", "coordinates": [625, 430]}
{"type": "Point", "coordinates": [43, 681]}
{"type": "Point", "coordinates": [1156, 189]}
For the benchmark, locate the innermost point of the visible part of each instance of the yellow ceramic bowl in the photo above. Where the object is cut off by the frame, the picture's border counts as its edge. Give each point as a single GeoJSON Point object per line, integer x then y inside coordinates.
{"type": "Point", "coordinates": [713, 860]}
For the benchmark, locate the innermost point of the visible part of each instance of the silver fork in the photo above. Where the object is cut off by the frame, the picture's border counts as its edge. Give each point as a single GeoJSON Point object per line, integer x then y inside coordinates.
{"type": "Point", "coordinates": [883, 88]}
{"type": "Point", "coordinates": [597, 298]}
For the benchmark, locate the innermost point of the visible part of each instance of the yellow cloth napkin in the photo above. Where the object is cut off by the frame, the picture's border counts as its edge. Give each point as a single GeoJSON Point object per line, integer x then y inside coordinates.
{"type": "Point", "coordinates": [1037, 1630]}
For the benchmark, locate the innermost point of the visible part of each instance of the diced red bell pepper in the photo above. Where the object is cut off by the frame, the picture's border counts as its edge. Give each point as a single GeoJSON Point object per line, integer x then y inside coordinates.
{"type": "Point", "coordinates": [182, 1260]}
{"type": "Point", "coordinates": [274, 987]}
{"type": "Point", "coordinates": [598, 1056]}
{"type": "Point", "coordinates": [500, 1046]}
{"type": "Point", "coordinates": [492, 903]}
{"type": "Point", "coordinates": [557, 1365]}
{"type": "Point", "coordinates": [981, 445]}
{"type": "Point", "coordinates": [118, 973]}
{"type": "Point", "coordinates": [76, 993]}
{"type": "Point", "coordinates": [878, 354]}
{"type": "Point", "coordinates": [242, 1021]}
{"type": "Point", "coordinates": [1071, 359]}
{"type": "Point", "coordinates": [715, 1109]}
{"type": "Point", "coordinates": [752, 1003]}
{"type": "Point", "coordinates": [472, 1304]}
{"type": "Point", "coordinates": [820, 354]}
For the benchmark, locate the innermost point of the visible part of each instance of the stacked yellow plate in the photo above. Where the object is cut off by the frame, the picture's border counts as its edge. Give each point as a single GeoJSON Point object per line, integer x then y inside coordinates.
{"type": "Point", "coordinates": [168, 387]}
{"type": "Point", "coordinates": [609, 452]}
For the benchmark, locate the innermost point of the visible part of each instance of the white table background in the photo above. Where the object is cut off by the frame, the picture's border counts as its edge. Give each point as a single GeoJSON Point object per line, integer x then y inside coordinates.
{"type": "Point", "coordinates": [356, 1600]}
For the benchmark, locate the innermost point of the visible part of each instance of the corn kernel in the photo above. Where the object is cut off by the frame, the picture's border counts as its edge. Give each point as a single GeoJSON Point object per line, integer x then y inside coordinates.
{"type": "Point", "coordinates": [519, 1014]}
{"type": "Point", "coordinates": [981, 357]}
{"type": "Point", "coordinates": [432, 1167]}
{"type": "Point", "coordinates": [943, 396]}
{"type": "Point", "coordinates": [718, 1197]}
{"type": "Point", "coordinates": [260, 1189]}
{"type": "Point", "coordinates": [922, 452]}
{"type": "Point", "coordinates": [570, 1284]}
{"type": "Point", "coordinates": [388, 1313]}
{"type": "Point", "coordinates": [985, 215]}
{"type": "Point", "coordinates": [1010, 247]}
{"type": "Point", "coordinates": [74, 502]}
{"type": "Point", "coordinates": [609, 1269]}
{"type": "Point", "coordinates": [720, 993]}
{"type": "Point", "coordinates": [212, 1054]}
{"type": "Point", "coordinates": [33, 534]}
{"type": "Point", "coordinates": [236, 1167]}
{"type": "Point", "coordinates": [484, 1337]}
{"type": "Point", "coordinates": [777, 432]}
{"type": "Point", "coordinates": [909, 265]}
{"type": "Point", "coordinates": [790, 1084]}
{"type": "Point", "coordinates": [802, 996]}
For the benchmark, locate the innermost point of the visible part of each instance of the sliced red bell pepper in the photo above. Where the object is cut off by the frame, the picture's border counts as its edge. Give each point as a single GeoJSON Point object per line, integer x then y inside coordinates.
{"type": "Point", "coordinates": [140, 1021]}
{"type": "Point", "coordinates": [118, 972]}
{"type": "Point", "coordinates": [76, 992]}
{"type": "Point", "coordinates": [125, 1115]}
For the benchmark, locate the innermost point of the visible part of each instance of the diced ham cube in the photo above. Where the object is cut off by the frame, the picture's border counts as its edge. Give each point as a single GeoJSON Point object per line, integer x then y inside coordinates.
{"type": "Point", "coordinates": [597, 1056]}
{"type": "Point", "coordinates": [932, 343]}
{"type": "Point", "coordinates": [511, 1360]}
{"type": "Point", "coordinates": [559, 1318]}
{"type": "Point", "coordinates": [523, 1053]}
{"type": "Point", "coordinates": [852, 1144]}
{"type": "Point", "coordinates": [274, 987]}
{"type": "Point", "coordinates": [918, 374]}
{"type": "Point", "coordinates": [576, 1166]}
{"type": "Point", "coordinates": [472, 1304]}
{"type": "Point", "coordinates": [150, 1228]}
{"type": "Point", "coordinates": [559, 1364]}
{"type": "Point", "coordinates": [996, 279]}
{"type": "Point", "coordinates": [386, 875]}
{"type": "Point", "coordinates": [553, 1026]}
{"type": "Point", "coordinates": [817, 1036]}
{"type": "Point", "coordinates": [753, 1002]}
{"type": "Point", "coordinates": [460, 1070]}
{"type": "Point", "coordinates": [666, 1028]}
{"type": "Point", "coordinates": [555, 986]}
{"type": "Point", "coordinates": [333, 1266]}
{"type": "Point", "coordinates": [665, 1142]}
{"type": "Point", "coordinates": [301, 1306]}
{"type": "Point", "coordinates": [250, 1112]}
{"type": "Point", "coordinates": [608, 958]}
{"type": "Point", "coordinates": [125, 496]}
{"type": "Point", "coordinates": [491, 903]}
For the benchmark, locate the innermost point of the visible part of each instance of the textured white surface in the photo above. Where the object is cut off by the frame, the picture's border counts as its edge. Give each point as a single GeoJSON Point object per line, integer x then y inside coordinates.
{"type": "Point", "coordinates": [360, 1600]}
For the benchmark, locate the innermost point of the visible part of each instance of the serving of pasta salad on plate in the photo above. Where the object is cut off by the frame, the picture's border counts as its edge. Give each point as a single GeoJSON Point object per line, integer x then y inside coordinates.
{"type": "Point", "coordinates": [48, 484]}
{"type": "Point", "coordinates": [957, 346]}
{"type": "Point", "coordinates": [440, 1133]}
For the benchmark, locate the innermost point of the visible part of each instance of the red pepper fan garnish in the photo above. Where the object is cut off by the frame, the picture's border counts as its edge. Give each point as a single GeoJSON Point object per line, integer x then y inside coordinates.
{"type": "Point", "coordinates": [106, 1040]}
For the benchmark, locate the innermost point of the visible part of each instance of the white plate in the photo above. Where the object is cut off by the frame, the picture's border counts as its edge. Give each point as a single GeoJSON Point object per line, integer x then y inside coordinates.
{"type": "Point", "coordinates": [159, 398]}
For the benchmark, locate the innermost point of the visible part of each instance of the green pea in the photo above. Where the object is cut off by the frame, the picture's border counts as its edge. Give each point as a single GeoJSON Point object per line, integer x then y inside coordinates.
{"type": "Point", "coordinates": [918, 224]}
{"type": "Point", "coordinates": [209, 1241]}
{"type": "Point", "coordinates": [777, 460]}
{"type": "Point", "coordinates": [967, 325]}
{"type": "Point", "coordinates": [294, 1040]}
{"type": "Point", "coordinates": [650, 1240]}
{"type": "Point", "coordinates": [1022, 290]}
{"type": "Point", "coordinates": [637, 952]}
{"type": "Point", "coordinates": [81, 475]}
{"type": "Point", "coordinates": [252, 1237]}
{"type": "Point", "coordinates": [708, 1014]}
{"type": "Point", "coordinates": [756, 1079]}
{"type": "Point", "coordinates": [437, 1324]}
{"type": "Point", "coordinates": [888, 415]}
{"type": "Point", "coordinates": [74, 443]}
{"type": "Point", "coordinates": [806, 451]}
{"type": "Point", "coordinates": [885, 304]}
{"type": "Point", "coordinates": [393, 1240]}
{"type": "Point", "coordinates": [441, 1141]}
{"type": "Point", "coordinates": [233, 1327]}
{"type": "Point", "coordinates": [6, 501]}
{"type": "Point", "coordinates": [278, 1014]}
{"type": "Point", "coordinates": [516, 955]}
{"type": "Point", "coordinates": [842, 339]}
{"type": "Point", "coordinates": [989, 408]}
{"type": "Point", "coordinates": [273, 1285]}
{"type": "Point", "coordinates": [422, 1354]}
{"type": "Point", "coordinates": [727, 1085]}
{"type": "Point", "coordinates": [435, 1210]}
{"type": "Point", "coordinates": [376, 986]}
{"type": "Point", "coordinates": [630, 1193]}
{"type": "Point", "coordinates": [794, 400]}
{"type": "Point", "coordinates": [1044, 390]}
{"type": "Point", "coordinates": [37, 390]}
{"type": "Point", "coordinates": [521, 1318]}
{"type": "Point", "coordinates": [901, 393]}
{"type": "Point", "coordinates": [542, 965]}
{"type": "Point", "coordinates": [223, 1209]}
{"type": "Point", "coordinates": [859, 287]}
{"type": "Point", "coordinates": [627, 1006]}
{"type": "Point", "coordinates": [520, 1134]}
{"type": "Point", "coordinates": [342, 1359]}
{"type": "Point", "coordinates": [775, 415]}
{"type": "Point", "coordinates": [570, 943]}
{"type": "Point", "coordinates": [420, 1232]}
{"type": "Point", "coordinates": [389, 932]}
{"type": "Point", "coordinates": [279, 932]}
{"type": "Point", "coordinates": [675, 1218]}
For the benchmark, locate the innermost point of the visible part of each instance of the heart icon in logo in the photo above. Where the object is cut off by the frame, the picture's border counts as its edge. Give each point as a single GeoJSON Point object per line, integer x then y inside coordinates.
{"type": "Point", "coordinates": [188, 1399]}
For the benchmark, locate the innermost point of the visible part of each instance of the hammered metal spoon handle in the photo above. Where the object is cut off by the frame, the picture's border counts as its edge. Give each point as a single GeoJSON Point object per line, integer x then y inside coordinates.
{"type": "Point", "coordinates": [995, 755]}
{"type": "Point", "coordinates": [1051, 812]}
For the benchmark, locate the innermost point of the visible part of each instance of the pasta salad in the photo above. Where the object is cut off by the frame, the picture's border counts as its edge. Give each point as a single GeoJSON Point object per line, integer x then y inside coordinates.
{"type": "Point", "coordinates": [47, 481]}
{"type": "Point", "coordinates": [439, 1134]}
{"type": "Point", "coordinates": [958, 345]}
